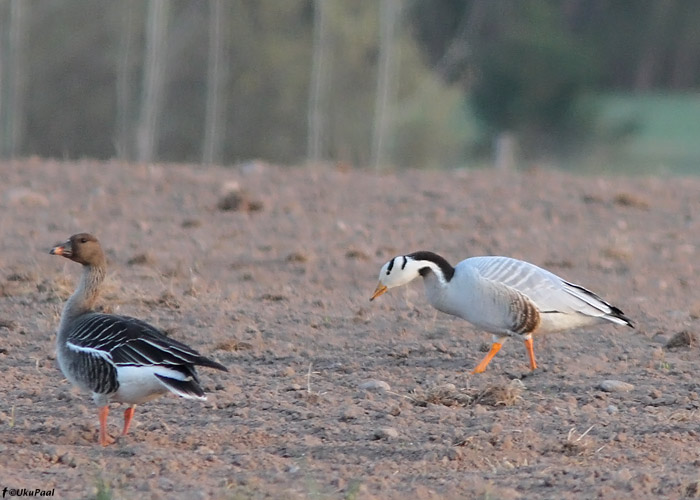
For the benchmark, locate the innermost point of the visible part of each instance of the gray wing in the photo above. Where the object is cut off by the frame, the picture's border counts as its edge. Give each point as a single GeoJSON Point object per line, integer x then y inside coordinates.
{"type": "Point", "coordinates": [548, 291]}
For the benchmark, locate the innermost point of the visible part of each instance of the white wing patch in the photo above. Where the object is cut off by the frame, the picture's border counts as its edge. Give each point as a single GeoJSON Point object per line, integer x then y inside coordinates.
{"type": "Point", "coordinates": [90, 350]}
{"type": "Point", "coordinates": [138, 384]}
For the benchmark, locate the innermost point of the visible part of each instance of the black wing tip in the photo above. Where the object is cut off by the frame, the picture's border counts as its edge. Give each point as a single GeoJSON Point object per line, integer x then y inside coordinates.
{"type": "Point", "coordinates": [209, 363]}
{"type": "Point", "coordinates": [617, 313]}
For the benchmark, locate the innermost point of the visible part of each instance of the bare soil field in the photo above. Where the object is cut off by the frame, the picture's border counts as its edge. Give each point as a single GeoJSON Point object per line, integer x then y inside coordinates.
{"type": "Point", "coordinates": [269, 270]}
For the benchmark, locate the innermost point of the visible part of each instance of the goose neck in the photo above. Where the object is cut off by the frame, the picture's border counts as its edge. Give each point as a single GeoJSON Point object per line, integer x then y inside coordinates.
{"type": "Point", "coordinates": [432, 263]}
{"type": "Point", "coordinates": [83, 298]}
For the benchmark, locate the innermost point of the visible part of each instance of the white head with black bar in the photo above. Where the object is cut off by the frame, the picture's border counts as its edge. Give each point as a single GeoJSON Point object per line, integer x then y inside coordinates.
{"type": "Point", "coordinates": [403, 269]}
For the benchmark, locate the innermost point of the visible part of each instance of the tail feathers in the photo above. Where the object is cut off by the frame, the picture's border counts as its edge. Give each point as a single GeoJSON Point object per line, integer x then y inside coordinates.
{"type": "Point", "coordinates": [188, 388]}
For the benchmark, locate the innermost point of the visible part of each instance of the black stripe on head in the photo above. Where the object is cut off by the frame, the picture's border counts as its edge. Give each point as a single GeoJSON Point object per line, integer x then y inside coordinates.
{"type": "Point", "coordinates": [391, 266]}
{"type": "Point", "coordinates": [405, 261]}
{"type": "Point", "coordinates": [447, 270]}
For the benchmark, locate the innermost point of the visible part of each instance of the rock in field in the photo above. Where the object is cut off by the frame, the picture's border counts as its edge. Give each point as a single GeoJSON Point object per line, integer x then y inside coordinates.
{"type": "Point", "coordinates": [615, 386]}
{"type": "Point", "coordinates": [386, 433]}
{"type": "Point", "coordinates": [375, 385]}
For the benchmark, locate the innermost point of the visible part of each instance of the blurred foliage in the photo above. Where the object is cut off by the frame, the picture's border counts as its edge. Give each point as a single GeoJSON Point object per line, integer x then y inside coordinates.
{"type": "Point", "coordinates": [660, 132]}
{"type": "Point", "coordinates": [468, 70]}
{"type": "Point", "coordinates": [536, 67]}
{"type": "Point", "coordinates": [75, 48]}
{"type": "Point", "coordinates": [70, 68]}
{"type": "Point", "coordinates": [532, 82]}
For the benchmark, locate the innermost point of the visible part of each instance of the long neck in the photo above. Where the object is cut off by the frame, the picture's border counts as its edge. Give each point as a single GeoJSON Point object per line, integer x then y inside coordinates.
{"type": "Point", "coordinates": [436, 273]}
{"type": "Point", "coordinates": [434, 278]}
{"type": "Point", "coordinates": [85, 295]}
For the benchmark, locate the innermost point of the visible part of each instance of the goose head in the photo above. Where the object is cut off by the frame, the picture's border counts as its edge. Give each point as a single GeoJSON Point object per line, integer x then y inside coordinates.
{"type": "Point", "coordinates": [398, 271]}
{"type": "Point", "coordinates": [405, 268]}
{"type": "Point", "coordinates": [82, 248]}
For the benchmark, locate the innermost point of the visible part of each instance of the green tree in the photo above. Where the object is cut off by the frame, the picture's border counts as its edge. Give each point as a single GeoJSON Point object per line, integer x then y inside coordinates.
{"type": "Point", "coordinates": [531, 77]}
{"type": "Point", "coordinates": [523, 69]}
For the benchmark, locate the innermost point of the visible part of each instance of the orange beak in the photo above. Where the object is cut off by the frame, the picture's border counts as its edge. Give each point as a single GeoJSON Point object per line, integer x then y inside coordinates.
{"type": "Point", "coordinates": [378, 291]}
{"type": "Point", "coordinates": [57, 250]}
{"type": "Point", "coordinates": [62, 249]}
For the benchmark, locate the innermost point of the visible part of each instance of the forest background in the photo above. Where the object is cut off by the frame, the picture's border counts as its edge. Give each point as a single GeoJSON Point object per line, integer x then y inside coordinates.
{"type": "Point", "coordinates": [588, 85]}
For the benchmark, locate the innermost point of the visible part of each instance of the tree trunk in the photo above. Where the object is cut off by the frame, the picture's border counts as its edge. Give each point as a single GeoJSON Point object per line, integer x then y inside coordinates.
{"type": "Point", "coordinates": [153, 79]}
{"type": "Point", "coordinates": [650, 57]}
{"type": "Point", "coordinates": [3, 82]}
{"type": "Point", "coordinates": [505, 146]}
{"type": "Point", "coordinates": [13, 123]}
{"type": "Point", "coordinates": [684, 67]}
{"type": "Point", "coordinates": [318, 95]}
{"type": "Point", "coordinates": [216, 83]}
{"type": "Point", "coordinates": [386, 76]}
{"type": "Point", "coordinates": [458, 52]}
{"type": "Point", "coordinates": [124, 139]}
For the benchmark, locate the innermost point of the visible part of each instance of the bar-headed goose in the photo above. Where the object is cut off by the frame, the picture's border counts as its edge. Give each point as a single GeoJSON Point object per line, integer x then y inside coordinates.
{"type": "Point", "coordinates": [501, 295]}
{"type": "Point", "coordinates": [118, 358]}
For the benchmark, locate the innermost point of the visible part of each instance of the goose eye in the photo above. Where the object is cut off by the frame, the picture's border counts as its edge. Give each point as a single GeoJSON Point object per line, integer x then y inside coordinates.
{"type": "Point", "coordinates": [83, 240]}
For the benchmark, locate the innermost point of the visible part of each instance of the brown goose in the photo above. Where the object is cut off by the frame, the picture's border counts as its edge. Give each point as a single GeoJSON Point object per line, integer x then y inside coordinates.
{"type": "Point", "coordinates": [118, 358]}
{"type": "Point", "coordinates": [501, 295]}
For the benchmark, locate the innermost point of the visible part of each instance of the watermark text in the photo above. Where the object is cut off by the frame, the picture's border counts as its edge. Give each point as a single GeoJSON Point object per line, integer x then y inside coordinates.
{"type": "Point", "coordinates": [27, 492]}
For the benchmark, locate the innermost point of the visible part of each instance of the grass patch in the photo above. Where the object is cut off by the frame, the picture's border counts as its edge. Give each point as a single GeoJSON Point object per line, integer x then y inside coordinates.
{"type": "Point", "coordinates": [103, 489]}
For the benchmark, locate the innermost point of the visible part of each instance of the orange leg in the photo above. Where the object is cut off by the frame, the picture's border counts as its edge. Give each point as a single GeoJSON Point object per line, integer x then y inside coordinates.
{"type": "Point", "coordinates": [531, 352]}
{"type": "Point", "coordinates": [485, 362]}
{"type": "Point", "coordinates": [105, 439]}
{"type": "Point", "coordinates": [128, 415]}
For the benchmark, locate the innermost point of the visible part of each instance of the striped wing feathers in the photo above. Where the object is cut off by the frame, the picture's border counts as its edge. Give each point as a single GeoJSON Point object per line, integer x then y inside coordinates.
{"type": "Point", "coordinates": [548, 291]}
{"type": "Point", "coordinates": [128, 341]}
